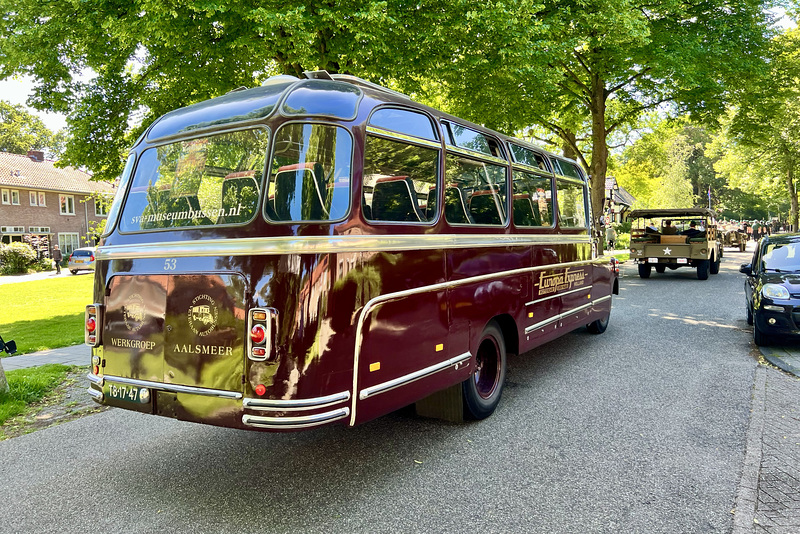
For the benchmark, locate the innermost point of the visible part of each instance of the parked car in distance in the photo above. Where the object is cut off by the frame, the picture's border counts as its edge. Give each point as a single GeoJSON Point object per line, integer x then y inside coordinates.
{"type": "Point", "coordinates": [772, 288]}
{"type": "Point", "coordinates": [81, 259]}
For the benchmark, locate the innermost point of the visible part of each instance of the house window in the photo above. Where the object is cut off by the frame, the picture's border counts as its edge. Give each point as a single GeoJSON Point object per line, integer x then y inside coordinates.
{"type": "Point", "coordinates": [34, 200]}
{"type": "Point", "coordinates": [101, 206]}
{"type": "Point", "coordinates": [15, 197]}
{"type": "Point", "coordinates": [6, 196]}
{"type": "Point", "coordinates": [67, 203]}
{"type": "Point", "coordinates": [68, 243]}
{"type": "Point", "coordinates": [42, 202]}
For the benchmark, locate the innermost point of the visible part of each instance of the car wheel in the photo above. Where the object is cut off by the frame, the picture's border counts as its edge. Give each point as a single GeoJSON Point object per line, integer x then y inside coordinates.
{"type": "Point", "coordinates": [644, 270]}
{"type": "Point", "coordinates": [661, 268]}
{"type": "Point", "coordinates": [749, 314]}
{"type": "Point", "coordinates": [74, 271]}
{"type": "Point", "coordinates": [759, 338]}
{"type": "Point", "coordinates": [714, 267]}
{"type": "Point", "coordinates": [702, 269]}
{"type": "Point", "coordinates": [482, 390]}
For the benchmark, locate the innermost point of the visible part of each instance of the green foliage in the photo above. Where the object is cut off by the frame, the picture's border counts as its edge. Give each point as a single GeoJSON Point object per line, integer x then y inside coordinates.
{"type": "Point", "coordinates": [27, 386]}
{"type": "Point", "coordinates": [21, 131]}
{"type": "Point", "coordinates": [57, 318]}
{"type": "Point", "coordinates": [16, 258]}
{"type": "Point", "coordinates": [623, 241]}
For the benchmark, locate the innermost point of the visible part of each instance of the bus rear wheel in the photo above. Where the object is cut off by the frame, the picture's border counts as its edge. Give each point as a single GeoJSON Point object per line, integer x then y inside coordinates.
{"type": "Point", "coordinates": [482, 390]}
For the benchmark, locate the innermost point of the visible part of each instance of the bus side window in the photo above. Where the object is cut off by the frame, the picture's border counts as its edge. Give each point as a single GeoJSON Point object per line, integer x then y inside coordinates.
{"type": "Point", "coordinates": [532, 204]}
{"type": "Point", "coordinates": [399, 181]}
{"type": "Point", "coordinates": [571, 204]}
{"type": "Point", "coordinates": [475, 193]}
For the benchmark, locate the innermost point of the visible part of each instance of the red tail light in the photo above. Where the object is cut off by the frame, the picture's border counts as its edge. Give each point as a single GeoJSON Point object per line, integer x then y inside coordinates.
{"type": "Point", "coordinates": [91, 324]}
{"type": "Point", "coordinates": [258, 334]}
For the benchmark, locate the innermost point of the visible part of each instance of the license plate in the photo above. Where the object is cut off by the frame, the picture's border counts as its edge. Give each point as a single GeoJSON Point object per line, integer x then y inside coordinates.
{"type": "Point", "coordinates": [652, 260]}
{"type": "Point", "coordinates": [683, 260]}
{"type": "Point", "coordinates": [78, 261]}
{"type": "Point", "coordinates": [128, 393]}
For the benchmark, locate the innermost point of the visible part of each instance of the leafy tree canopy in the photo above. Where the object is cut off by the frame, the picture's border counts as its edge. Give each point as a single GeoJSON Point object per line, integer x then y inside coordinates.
{"type": "Point", "coordinates": [21, 131]}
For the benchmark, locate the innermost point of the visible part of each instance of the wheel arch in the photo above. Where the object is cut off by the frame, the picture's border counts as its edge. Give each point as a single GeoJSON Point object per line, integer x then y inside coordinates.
{"type": "Point", "coordinates": [508, 327]}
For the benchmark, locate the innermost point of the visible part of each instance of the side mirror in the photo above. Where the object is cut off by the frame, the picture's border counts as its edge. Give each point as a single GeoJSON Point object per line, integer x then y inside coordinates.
{"type": "Point", "coordinates": [746, 268]}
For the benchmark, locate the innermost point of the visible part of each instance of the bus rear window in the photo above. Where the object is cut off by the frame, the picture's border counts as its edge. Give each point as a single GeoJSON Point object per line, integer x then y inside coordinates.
{"type": "Point", "coordinates": [201, 182]}
{"type": "Point", "coordinates": [310, 174]}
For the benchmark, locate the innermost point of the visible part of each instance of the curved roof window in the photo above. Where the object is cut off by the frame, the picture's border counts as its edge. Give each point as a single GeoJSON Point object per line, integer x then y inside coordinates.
{"type": "Point", "coordinates": [323, 98]}
{"type": "Point", "coordinates": [405, 122]}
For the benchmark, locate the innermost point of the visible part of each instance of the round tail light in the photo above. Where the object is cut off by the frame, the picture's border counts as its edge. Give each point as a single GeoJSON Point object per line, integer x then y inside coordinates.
{"type": "Point", "coordinates": [257, 334]}
{"type": "Point", "coordinates": [91, 324]}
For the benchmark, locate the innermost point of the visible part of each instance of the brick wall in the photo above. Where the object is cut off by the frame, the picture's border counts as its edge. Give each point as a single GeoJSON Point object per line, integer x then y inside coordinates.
{"type": "Point", "coordinates": [26, 215]}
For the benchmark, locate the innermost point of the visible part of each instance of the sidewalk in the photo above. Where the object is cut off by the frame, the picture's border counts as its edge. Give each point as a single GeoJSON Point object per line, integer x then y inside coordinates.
{"type": "Point", "coordinates": [74, 355]}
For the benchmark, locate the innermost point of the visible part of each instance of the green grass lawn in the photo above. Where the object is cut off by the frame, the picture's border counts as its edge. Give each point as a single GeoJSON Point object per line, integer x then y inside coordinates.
{"type": "Point", "coordinates": [28, 386]}
{"type": "Point", "coordinates": [44, 314]}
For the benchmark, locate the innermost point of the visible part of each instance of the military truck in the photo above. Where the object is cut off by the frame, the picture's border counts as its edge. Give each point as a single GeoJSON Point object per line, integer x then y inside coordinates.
{"type": "Point", "coordinates": [672, 238]}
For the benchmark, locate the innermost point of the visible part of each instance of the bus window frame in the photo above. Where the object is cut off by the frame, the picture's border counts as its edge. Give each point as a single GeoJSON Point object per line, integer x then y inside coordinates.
{"type": "Point", "coordinates": [268, 175]}
{"type": "Point", "coordinates": [437, 133]}
{"type": "Point", "coordinates": [198, 135]}
{"type": "Point", "coordinates": [450, 140]}
{"type": "Point", "coordinates": [586, 212]}
{"type": "Point", "coordinates": [522, 167]}
{"type": "Point", "coordinates": [391, 135]}
{"type": "Point", "coordinates": [480, 157]}
{"type": "Point", "coordinates": [545, 158]}
{"type": "Point", "coordinates": [122, 192]}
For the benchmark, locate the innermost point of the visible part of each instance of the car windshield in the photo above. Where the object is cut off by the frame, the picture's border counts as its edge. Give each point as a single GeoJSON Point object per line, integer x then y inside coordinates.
{"type": "Point", "coordinates": [781, 257]}
{"type": "Point", "coordinates": [80, 252]}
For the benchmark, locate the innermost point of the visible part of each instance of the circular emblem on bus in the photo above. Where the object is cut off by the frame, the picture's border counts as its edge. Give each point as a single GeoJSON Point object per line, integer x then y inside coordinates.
{"type": "Point", "coordinates": [133, 312]}
{"type": "Point", "coordinates": [202, 315]}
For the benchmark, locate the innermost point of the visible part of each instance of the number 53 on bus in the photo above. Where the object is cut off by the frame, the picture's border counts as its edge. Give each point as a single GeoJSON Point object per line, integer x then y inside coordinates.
{"type": "Point", "coordinates": [325, 250]}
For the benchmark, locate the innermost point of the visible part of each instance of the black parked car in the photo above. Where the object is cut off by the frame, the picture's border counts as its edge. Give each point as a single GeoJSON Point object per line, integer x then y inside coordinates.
{"type": "Point", "coordinates": [772, 288]}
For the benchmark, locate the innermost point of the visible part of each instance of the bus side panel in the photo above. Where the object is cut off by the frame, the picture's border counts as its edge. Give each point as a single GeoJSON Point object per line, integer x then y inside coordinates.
{"type": "Point", "coordinates": [315, 298]}
{"type": "Point", "coordinates": [474, 304]}
{"type": "Point", "coordinates": [403, 337]}
{"type": "Point", "coordinates": [575, 285]}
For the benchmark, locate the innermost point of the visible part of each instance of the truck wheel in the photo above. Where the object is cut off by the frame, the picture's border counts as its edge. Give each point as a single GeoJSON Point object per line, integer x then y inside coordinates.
{"type": "Point", "coordinates": [702, 269]}
{"type": "Point", "coordinates": [482, 390]}
{"type": "Point", "coordinates": [661, 268]}
{"type": "Point", "coordinates": [644, 270]}
{"type": "Point", "coordinates": [742, 246]}
{"type": "Point", "coordinates": [714, 267]}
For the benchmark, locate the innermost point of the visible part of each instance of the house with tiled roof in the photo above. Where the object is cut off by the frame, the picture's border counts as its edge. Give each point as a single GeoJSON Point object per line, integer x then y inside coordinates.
{"type": "Point", "coordinates": [45, 204]}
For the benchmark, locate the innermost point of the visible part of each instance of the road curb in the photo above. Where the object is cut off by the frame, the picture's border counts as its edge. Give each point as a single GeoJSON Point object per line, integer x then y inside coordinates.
{"type": "Point", "coordinates": [747, 492]}
{"type": "Point", "coordinates": [781, 362]}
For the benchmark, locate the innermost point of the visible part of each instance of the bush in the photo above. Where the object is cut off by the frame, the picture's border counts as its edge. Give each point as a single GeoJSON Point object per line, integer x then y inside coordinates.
{"type": "Point", "coordinates": [16, 258]}
{"type": "Point", "coordinates": [623, 241]}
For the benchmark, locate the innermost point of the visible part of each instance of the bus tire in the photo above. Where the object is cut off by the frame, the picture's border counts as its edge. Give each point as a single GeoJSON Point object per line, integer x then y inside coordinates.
{"type": "Point", "coordinates": [644, 270]}
{"type": "Point", "coordinates": [482, 390]}
{"type": "Point", "coordinates": [702, 269]}
{"type": "Point", "coordinates": [599, 326]}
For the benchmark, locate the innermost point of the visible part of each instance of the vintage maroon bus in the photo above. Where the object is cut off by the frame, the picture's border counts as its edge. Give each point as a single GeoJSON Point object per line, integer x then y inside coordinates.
{"type": "Point", "coordinates": [326, 250]}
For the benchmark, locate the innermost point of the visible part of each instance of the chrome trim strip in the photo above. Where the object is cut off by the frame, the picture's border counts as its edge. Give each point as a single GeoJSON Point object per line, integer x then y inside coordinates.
{"type": "Point", "coordinates": [412, 377]}
{"type": "Point", "coordinates": [95, 379]}
{"type": "Point", "coordinates": [176, 388]}
{"type": "Point", "coordinates": [562, 315]}
{"type": "Point", "coordinates": [268, 246]}
{"type": "Point", "coordinates": [381, 299]}
{"type": "Point", "coordinates": [96, 395]}
{"type": "Point", "coordinates": [403, 137]}
{"type": "Point", "coordinates": [537, 301]}
{"type": "Point", "coordinates": [281, 405]}
{"type": "Point", "coordinates": [304, 421]}
{"type": "Point", "coordinates": [477, 155]}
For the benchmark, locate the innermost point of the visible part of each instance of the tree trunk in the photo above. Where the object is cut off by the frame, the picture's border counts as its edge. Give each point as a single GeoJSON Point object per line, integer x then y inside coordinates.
{"type": "Point", "coordinates": [599, 165]}
{"type": "Point", "coordinates": [792, 193]}
{"type": "Point", "coordinates": [3, 381]}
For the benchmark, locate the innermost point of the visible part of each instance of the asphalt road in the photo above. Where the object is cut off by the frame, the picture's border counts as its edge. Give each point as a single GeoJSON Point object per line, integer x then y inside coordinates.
{"type": "Point", "coordinates": [641, 429]}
